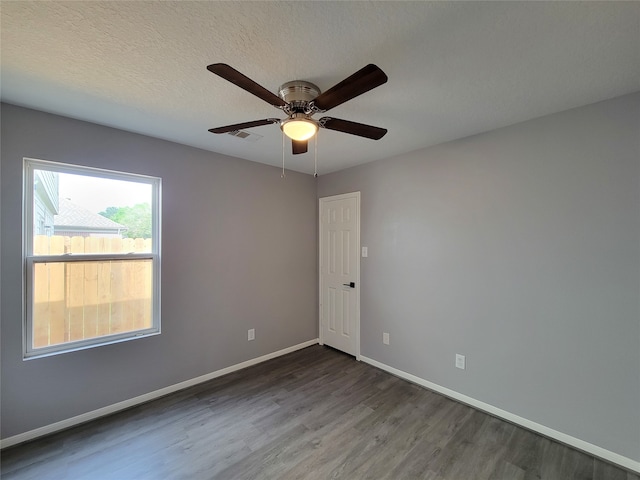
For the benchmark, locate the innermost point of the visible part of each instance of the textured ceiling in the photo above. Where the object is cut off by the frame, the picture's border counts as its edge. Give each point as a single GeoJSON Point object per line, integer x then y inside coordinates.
{"type": "Point", "coordinates": [455, 68]}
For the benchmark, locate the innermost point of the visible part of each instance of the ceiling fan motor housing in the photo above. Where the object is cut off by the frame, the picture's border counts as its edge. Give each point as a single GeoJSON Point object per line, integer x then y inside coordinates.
{"type": "Point", "coordinates": [298, 94]}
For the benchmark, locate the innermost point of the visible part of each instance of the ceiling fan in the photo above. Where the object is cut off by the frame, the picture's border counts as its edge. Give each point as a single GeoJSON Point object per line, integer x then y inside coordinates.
{"type": "Point", "coordinates": [301, 100]}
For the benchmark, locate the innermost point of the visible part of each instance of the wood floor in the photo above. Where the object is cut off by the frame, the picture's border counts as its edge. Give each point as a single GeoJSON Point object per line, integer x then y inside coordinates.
{"type": "Point", "coordinates": [312, 414]}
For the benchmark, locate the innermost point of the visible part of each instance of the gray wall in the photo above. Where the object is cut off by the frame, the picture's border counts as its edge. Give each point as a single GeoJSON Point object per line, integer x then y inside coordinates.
{"type": "Point", "coordinates": [519, 248]}
{"type": "Point", "coordinates": [238, 252]}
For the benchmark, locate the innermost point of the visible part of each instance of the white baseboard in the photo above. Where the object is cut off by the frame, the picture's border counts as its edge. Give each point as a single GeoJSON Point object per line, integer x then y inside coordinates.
{"type": "Point", "coordinates": [586, 447]}
{"type": "Point", "coordinates": [132, 402]}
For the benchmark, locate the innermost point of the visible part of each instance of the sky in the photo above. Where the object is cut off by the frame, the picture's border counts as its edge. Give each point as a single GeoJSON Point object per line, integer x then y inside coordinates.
{"type": "Point", "coordinates": [96, 194]}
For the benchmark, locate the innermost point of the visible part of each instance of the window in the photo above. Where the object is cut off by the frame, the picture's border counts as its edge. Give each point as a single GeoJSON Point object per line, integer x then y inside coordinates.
{"type": "Point", "coordinates": [92, 257]}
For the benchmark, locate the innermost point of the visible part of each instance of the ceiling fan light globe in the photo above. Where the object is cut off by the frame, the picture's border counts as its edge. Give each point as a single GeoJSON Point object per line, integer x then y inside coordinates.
{"type": "Point", "coordinates": [299, 128]}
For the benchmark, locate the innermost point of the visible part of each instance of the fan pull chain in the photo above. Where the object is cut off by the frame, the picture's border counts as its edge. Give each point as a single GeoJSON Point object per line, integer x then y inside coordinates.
{"type": "Point", "coordinates": [284, 175]}
{"type": "Point", "coordinates": [315, 156]}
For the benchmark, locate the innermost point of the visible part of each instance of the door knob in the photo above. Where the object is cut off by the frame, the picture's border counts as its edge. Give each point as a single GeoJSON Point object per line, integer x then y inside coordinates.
{"type": "Point", "coordinates": [350, 284]}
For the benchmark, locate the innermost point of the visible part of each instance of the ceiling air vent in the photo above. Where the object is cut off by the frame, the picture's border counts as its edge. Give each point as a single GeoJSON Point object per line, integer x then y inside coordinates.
{"type": "Point", "coordinates": [248, 136]}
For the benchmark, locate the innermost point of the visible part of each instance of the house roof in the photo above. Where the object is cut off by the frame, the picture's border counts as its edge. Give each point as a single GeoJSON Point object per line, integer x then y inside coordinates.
{"type": "Point", "coordinates": [74, 216]}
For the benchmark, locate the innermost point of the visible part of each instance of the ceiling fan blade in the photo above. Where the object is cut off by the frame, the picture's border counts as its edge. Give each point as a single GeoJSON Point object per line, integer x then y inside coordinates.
{"type": "Point", "coordinates": [232, 75]}
{"type": "Point", "coordinates": [353, 128]}
{"type": "Point", "coordinates": [360, 82]}
{"type": "Point", "coordinates": [240, 126]}
{"type": "Point", "coordinates": [299, 146]}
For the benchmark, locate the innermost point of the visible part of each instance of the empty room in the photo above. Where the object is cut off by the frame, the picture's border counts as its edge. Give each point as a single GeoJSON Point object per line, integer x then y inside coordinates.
{"type": "Point", "coordinates": [320, 240]}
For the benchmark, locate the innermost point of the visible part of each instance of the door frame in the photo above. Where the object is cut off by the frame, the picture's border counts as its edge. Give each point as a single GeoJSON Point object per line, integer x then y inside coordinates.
{"type": "Point", "coordinates": [321, 203]}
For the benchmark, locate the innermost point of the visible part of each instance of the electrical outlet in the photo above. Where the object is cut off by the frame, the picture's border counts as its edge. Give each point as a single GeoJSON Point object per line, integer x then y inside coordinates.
{"type": "Point", "coordinates": [460, 361]}
{"type": "Point", "coordinates": [365, 252]}
{"type": "Point", "coordinates": [251, 334]}
{"type": "Point", "coordinates": [385, 338]}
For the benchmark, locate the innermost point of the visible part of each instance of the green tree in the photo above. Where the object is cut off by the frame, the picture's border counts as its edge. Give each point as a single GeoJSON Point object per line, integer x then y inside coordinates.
{"type": "Point", "coordinates": [110, 212]}
{"type": "Point", "coordinates": [137, 219]}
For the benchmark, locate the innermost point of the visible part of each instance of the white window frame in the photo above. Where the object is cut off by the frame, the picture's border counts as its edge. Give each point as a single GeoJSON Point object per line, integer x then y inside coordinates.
{"type": "Point", "coordinates": [29, 259]}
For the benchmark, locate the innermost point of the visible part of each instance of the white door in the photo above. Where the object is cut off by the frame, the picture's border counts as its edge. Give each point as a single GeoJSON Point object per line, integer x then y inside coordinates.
{"type": "Point", "coordinates": [340, 272]}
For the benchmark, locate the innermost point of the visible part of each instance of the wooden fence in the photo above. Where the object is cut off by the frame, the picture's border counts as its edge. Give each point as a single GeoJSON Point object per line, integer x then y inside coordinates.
{"type": "Point", "coordinates": [87, 299]}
